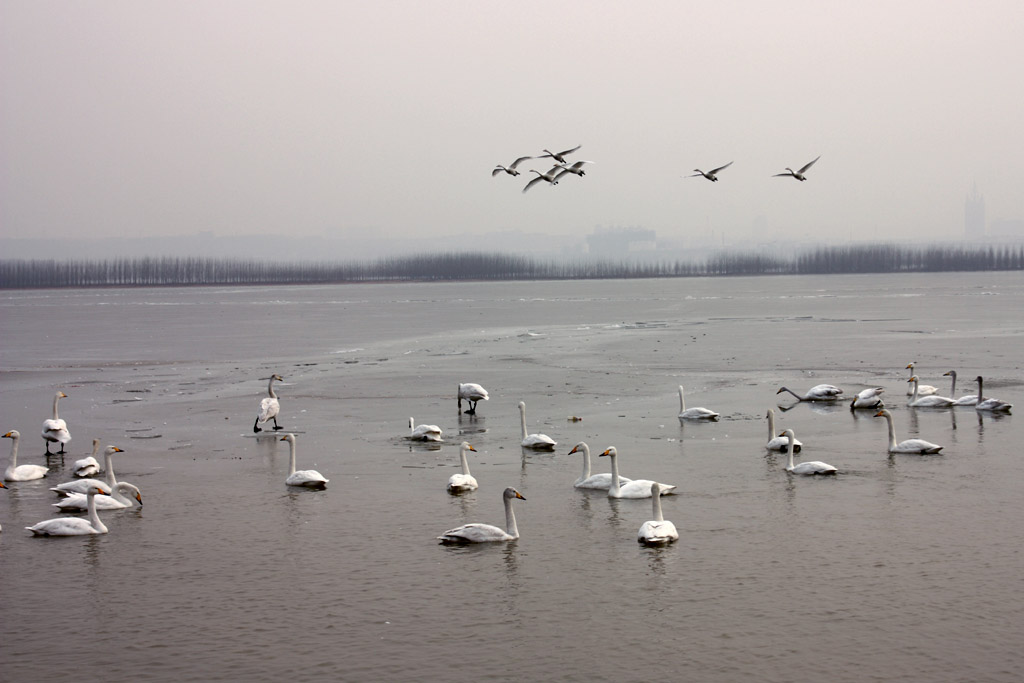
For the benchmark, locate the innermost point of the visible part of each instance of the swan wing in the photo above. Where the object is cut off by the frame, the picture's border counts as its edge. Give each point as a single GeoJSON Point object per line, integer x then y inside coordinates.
{"type": "Point", "coordinates": [809, 164]}
{"type": "Point", "coordinates": [269, 408]}
{"type": "Point", "coordinates": [781, 443]}
{"type": "Point", "coordinates": [814, 467]}
{"type": "Point", "coordinates": [497, 170]}
{"type": "Point", "coordinates": [653, 532]}
{"type": "Point", "coordinates": [80, 501]}
{"type": "Point", "coordinates": [698, 414]}
{"type": "Point", "coordinates": [599, 482]}
{"type": "Point", "coordinates": [474, 533]}
{"type": "Point", "coordinates": [519, 161]}
{"type": "Point", "coordinates": [539, 441]}
{"type": "Point", "coordinates": [462, 482]}
{"type": "Point", "coordinates": [917, 446]}
{"type": "Point", "coordinates": [570, 151]}
{"type": "Point", "coordinates": [63, 526]}
{"type": "Point", "coordinates": [25, 473]}
{"type": "Point", "coordinates": [720, 168]}
{"type": "Point", "coordinates": [533, 182]}
{"type": "Point", "coordinates": [640, 488]}
{"type": "Point", "coordinates": [309, 478]}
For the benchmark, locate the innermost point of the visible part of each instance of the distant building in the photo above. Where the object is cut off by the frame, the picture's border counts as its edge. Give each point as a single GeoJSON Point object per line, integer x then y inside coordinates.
{"type": "Point", "coordinates": [974, 216]}
{"type": "Point", "coordinates": [619, 242]}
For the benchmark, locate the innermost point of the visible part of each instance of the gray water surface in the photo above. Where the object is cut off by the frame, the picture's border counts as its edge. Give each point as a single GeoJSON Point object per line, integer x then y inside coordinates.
{"type": "Point", "coordinates": [900, 568]}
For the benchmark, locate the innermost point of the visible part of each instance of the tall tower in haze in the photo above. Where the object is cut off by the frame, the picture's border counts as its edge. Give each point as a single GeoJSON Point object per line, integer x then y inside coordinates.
{"type": "Point", "coordinates": [974, 215]}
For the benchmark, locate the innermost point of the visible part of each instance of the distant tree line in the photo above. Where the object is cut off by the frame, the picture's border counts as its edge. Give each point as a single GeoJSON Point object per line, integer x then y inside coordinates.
{"type": "Point", "coordinates": [158, 271]}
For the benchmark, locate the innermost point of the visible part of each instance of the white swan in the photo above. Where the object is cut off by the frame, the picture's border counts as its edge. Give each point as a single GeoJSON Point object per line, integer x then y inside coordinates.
{"type": "Point", "coordinates": [694, 413]}
{"type": "Point", "coordinates": [485, 533]}
{"type": "Point", "coordinates": [308, 478]}
{"type": "Point", "coordinates": [575, 169]}
{"type": "Point", "coordinates": [423, 432]}
{"type": "Point", "coordinates": [967, 400]}
{"type": "Point", "coordinates": [799, 175]}
{"type": "Point", "coordinates": [2, 487]}
{"type": "Point", "coordinates": [559, 156]}
{"type": "Point", "coordinates": [471, 393]}
{"type": "Point", "coordinates": [638, 488]}
{"type": "Point", "coordinates": [711, 175]}
{"type": "Point", "coordinates": [549, 176]}
{"type": "Point", "coordinates": [510, 169]}
{"type": "Point", "coordinates": [120, 497]}
{"type": "Point", "coordinates": [933, 401]}
{"type": "Point", "coordinates": [778, 443]}
{"type": "Point", "coordinates": [809, 467]}
{"type": "Point", "coordinates": [918, 446]}
{"type": "Point", "coordinates": [538, 442]}
{"type": "Point", "coordinates": [269, 407]}
{"type": "Point", "coordinates": [821, 392]}
{"type": "Point", "coordinates": [922, 389]}
{"type": "Point", "coordinates": [16, 472]}
{"type": "Point", "coordinates": [992, 405]}
{"type": "Point", "coordinates": [86, 467]}
{"type": "Point", "coordinates": [602, 481]}
{"type": "Point", "coordinates": [868, 398]}
{"type": "Point", "coordinates": [74, 526]}
{"type": "Point", "coordinates": [55, 430]}
{"type": "Point", "coordinates": [463, 481]}
{"type": "Point", "coordinates": [82, 485]}
{"type": "Point", "coordinates": [657, 531]}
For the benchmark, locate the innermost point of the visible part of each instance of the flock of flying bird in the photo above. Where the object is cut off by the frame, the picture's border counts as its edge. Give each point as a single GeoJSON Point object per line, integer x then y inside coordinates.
{"type": "Point", "coordinates": [92, 495]}
{"type": "Point", "coordinates": [562, 167]}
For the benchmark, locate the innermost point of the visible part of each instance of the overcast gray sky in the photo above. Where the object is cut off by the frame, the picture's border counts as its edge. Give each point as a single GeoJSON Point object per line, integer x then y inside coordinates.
{"type": "Point", "coordinates": [386, 118]}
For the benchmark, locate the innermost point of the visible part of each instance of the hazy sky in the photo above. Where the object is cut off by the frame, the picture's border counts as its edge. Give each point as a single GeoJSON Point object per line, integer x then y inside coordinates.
{"type": "Point", "coordinates": [386, 118]}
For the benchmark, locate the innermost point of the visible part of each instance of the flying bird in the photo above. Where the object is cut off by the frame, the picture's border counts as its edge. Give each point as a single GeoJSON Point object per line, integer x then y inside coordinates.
{"type": "Point", "coordinates": [559, 156]}
{"type": "Point", "coordinates": [712, 175]}
{"type": "Point", "coordinates": [550, 176]}
{"type": "Point", "coordinates": [575, 169]}
{"type": "Point", "coordinates": [510, 169]}
{"type": "Point", "coordinates": [799, 175]}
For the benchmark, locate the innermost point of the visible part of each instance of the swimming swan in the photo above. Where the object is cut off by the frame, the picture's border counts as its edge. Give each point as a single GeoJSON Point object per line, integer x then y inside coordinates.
{"type": "Point", "coordinates": [657, 531]}
{"type": "Point", "coordinates": [510, 169]}
{"type": "Point", "coordinates": [992, 405]}
{"type": "Point", "coordinates": [821, 392]}
{"type": "Point", "coordinates": [423, 432]}
{"type": "Point", "coordinates": [485, 533]}
{"type": "Point", "coordinates": [694, 413]}
{"type": "Point", "coordinates": [559, 156]}
{"type": "Point", "coordinates": [809, 467]}
{"type": "Point", "coordinates": [799, 175]}
{"type": "Point", "coordinates": [638, 488]}
{"type": "Point", "coordinates": [471, 393]}
{"type": "Point", "coordinates": [711, 175]}
{"type": "Point", "coordinates": [82, 485]}
{"type": "Point", "coordinates": [55, 430]}
{"type": "Point", "coordinates": [463, 481]}
{"type": "Point", "coordinates": [778, 443]}
{"type": "Point", "coordinates": [120, 498]}
{"type": "Point", "coordinates": [602, 481]}
{"type": "Point", "coordinates": [918, 446]}
{"type": "Point", "coordinates": [269, 407]}
{"type": "Point", "coordinates": [933, 401]}
{"type": "Point", "coordinates": [307, 478]}
{"type": "Point", "coordinates": [967, 400]}
{"type": "Point", "coordinates": [74, 526]}
{"type": "Point", "coordinates": [868, 398]}
{"type": "Point", "coordinates": [16, 472]}
{"type": "Point", "coordinates": [538, 442]}
{"type": "Point", "coordinates": [922, 389]}
{"type": "Point", "coordinates": [86, 467]}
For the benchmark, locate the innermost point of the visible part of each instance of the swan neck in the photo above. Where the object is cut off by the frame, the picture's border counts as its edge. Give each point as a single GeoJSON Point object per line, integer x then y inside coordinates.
{"type": "Point", "coordinates": [56, 399]}
{"type": "Point", "coordinates": [771, 424]}
{"type": "Point", "coordinates": [981, 396]}
{"type": "Point", "coordinates": [892, 432]}
{"type": "Point", "coordinates": [94, 517]}
{"type": "Point", "coordinates": [14, 453]}
{"type": "Point", "coordinates": [913, 399]}
{"type": "Point", "coordinates": [108, 460]}
{"type": "Point", "coordinates": [586, 463]}
{"type": "Point", "coordinates": [682, 401]}
{"type": "Point", "coordinates": [615, 472]}
{"type": "Point", "coordinates": [465, 461]}
{"type": "Point", "coordinates": [656, 506]}
{"type": "Point", "coordinates": [270, 388]}
{"type": "Point", "coordinates": [791, 449]}
{"type": "Point", "coordinates": [510, 519]}
{"type": "Point", "coordinates": [291, 458]}
{"type": "Point", "coordinates": [522, 418]}
{"type": "Point", "coordinates": [952, 385]}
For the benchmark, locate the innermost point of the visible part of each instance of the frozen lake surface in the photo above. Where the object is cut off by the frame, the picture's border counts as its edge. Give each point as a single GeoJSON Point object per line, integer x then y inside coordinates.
{"type": "Point", "coordinates": [900, 568]}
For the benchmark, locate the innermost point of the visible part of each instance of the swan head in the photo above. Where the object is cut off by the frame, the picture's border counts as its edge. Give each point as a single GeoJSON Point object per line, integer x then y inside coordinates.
{"type": "Point", "coordinates": [582, 445]}
{"type": "Point", "coordinates": [467, 447]}
{"type": "Point", "coordinates": [13, 434]}
{"type": "Point", "coordinates": [512, 493]}
{"type": "Point", "coordinates": [110, 450]}
{"type": "Point", "coordinates": [788, 433]}
{"type": "Point", "coordinates": [290, 438]}
{"type": "Point", "coordinates": [130, 489]}
{"type": "Point", "coordinates": [97, 491]}
{"type": "Point", "coordinates": [910, 366]}
{"type": "Point", "coordinates": [61, 394]}
{"type": "Point", "coordinates": [781, 389]}
{"type": "Point", "coordinates": [951, 373]}
{"type": "Point", "coordinates": [2, 485]}
{"type": "Point", "coordinates": [976, 379]}
{"type": "Point", "coordinates": [883, 413]}
{"type": "Point", "coordinates": [611, 452]}
{"type": "Point", "coordinates": [913, 379]}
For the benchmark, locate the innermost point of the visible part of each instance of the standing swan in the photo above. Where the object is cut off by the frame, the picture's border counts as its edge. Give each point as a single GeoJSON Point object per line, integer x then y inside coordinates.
{"type": "Point", "coordinates": [711, 175]}
{"type": "Point", "coordinates": [55, 430]}
{"type": "Point", "coordinates": [638, 488]}
{"type": "Point", "coordinates": [799, 175]}
{"type": "Point", "coordinates": [918, 446]}
{"type": "Point", "coordinates": [86, 467]}
{"type": "Point", "coordinates": [968, 400]}
{"type": "Point", "coordinates": [471, 393]}
{"type": "Point", "coordinates": [992, 405]}
{"type": "Point", "coordinates": [538, 442]}
{"type": "Point", "coordinates": [308, 478]}
{"type": "Point", "coordinates": [269, 407]}
{"type": "Point", "coordinates": [778, 443]}
{"type": "Point", "coordinates": [485, 533]}
{"type": "Point", "coordinates": [602, 481]}
{"type": "Point", "coordinates": [16, 472]}
{"type": "Point", "coordinates": [464, 481]}
{"type": "Point", "coordinates": [82, 485]}
{"type": "Point", "coordinates": [423, 432]}
{"type": "Point", "coordinates": [74, 526]}
{"type": "Point", "coordinates": [933, 401]}
{"type": "Point", "coordinates": [809, 467]}
{"type": "Point", "coordinates": [694, 413]}
{"type": "Point", "coordinates": [821, 392]}
{"type": "Point", "coordinates": [657, 531]}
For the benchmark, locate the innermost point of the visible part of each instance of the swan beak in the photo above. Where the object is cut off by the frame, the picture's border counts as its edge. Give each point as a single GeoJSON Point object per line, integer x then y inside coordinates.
{"type": "Point", "coordinates": [574, 450]}
{"type": "Point", "coordinates": [605, 453]}
{"type": "Point", "coordinates": [63, 395]}
{"type": "Point", "coordinates": [779, 391]}
{"type": "Point", "coordinates": [473, 449]}
{"type": "Point", "coordinates": [138, 497]}
{"type": "Point", "coordinates": [2, 485]}
{"type": "Point", "coordinates": [878, 414]}
{"type": "Point", "coordinates": [520, 496]}
{"type": "Point", "coordinates": [118, 450]}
